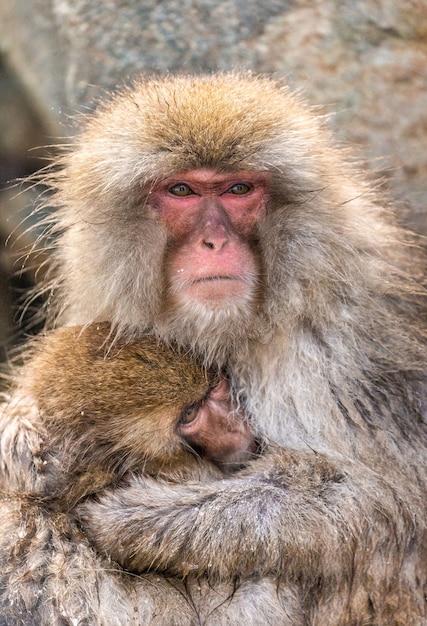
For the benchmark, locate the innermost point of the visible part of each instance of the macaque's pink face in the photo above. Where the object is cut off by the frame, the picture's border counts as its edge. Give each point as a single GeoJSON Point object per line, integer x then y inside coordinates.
{"type": "Point", "coordinates": [212, 220]}
{"type": "Point", "coordinates": [219, 432]}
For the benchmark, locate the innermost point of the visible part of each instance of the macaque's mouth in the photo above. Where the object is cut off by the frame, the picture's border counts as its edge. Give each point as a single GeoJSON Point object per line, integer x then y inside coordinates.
{"type": "Point", "coordinates": [207, 279]}
{"type": "Point", "coordinates": [215, 289]}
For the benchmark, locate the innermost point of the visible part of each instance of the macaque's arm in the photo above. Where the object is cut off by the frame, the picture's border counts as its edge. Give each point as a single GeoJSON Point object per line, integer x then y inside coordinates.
{"type": "Point", "coordinates": [287, 514]}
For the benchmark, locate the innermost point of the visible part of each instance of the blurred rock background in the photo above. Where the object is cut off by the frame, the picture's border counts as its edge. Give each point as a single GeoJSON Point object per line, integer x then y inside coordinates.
{"type": "Point", "coordinates": [363, 61]}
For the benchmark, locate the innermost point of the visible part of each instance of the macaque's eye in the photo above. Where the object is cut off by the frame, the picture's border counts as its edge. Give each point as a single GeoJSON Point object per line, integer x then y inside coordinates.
{"type": "Point", "coordinates": [189, 414]}
{"type": "Point", "coordinates": [239, 189]}
{"type": "Point", "coordinates": [182, 189]}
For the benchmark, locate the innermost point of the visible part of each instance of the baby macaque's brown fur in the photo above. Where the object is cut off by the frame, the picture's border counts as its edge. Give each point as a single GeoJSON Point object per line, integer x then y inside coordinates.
{"type": "Point", "coordinates": [109, 408]}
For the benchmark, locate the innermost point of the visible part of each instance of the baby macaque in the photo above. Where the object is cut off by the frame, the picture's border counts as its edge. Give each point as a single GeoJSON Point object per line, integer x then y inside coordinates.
{"type": "Point", "coordinates": [109, 408]}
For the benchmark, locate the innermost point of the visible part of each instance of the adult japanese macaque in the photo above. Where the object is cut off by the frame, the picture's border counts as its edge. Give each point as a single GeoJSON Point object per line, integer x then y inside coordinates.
{"type": "Point", "coordinates": [101, 414]}
{"type": "Point", "coordinates": [216, 213]}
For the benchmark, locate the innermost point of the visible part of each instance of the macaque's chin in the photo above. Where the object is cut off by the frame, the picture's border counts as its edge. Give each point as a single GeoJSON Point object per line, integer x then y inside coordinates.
{"type": "Point", "coordinates": [208, 317]}
{"type": "Point", "coordinates": [216, 291]}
